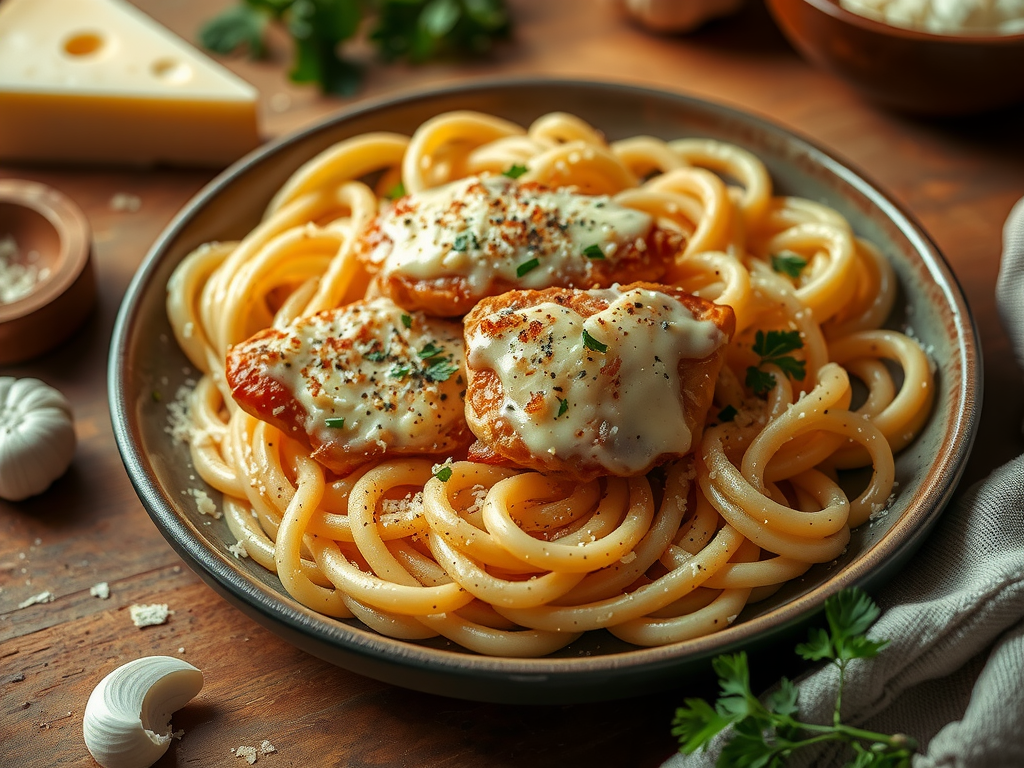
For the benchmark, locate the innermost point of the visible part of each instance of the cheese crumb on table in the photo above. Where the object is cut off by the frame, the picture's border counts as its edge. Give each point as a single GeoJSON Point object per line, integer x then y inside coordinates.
{"type": "Point", "coordinates": [248, 753]}
{"type": "Point", "coordinates": [266, 747]}
{"type": "Point", "coordinates": [123, 201]}
{"type": "Point", "coordinates": [149, 615]}
{"type": "Point", "coordinates": [42, 597]}
{"type": "Point", "coordinates": [101, 590]}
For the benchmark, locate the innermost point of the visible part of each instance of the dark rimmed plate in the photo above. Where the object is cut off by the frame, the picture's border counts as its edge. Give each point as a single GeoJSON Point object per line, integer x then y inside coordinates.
{"type": "Point", "coordinates": [145, 359]}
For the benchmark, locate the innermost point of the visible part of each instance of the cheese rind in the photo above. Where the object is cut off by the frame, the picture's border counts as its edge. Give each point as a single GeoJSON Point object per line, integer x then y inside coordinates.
{"type": "Point", "coordinates": [99, 81]}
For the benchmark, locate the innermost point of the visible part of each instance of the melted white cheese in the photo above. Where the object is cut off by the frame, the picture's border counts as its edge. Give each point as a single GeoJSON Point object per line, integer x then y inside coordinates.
{"type": "Point", "coordinates": [487, 228]}
{"type": "Point", "coordinates": [620, 408]}
{"type": "Point", "coordinates": [369, 366]}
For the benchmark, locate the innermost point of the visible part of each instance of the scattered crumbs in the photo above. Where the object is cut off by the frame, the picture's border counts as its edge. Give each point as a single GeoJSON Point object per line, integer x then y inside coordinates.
{"type": "Point", "coordinates": [20, 677]}
{"type": "Point", "coordinates": [38, 542]}
{"type": "Point", "coordinates": [42, 597]}
{"type": "Point", "coordinates": [411, 504]}
{"type": "Point", "coordinates": [628, 558]}
{"type": "Point", "coordinates": [101, 590]}
{"type": "Point", "coordinates": [238, 550]}
{"type": "Point", "coordinates": [731, 619]}
{"type": "Point", "coordinates": [267, 748]}
{"type": "Point", "coordinates": [176, 569]}
{"type": "Point", "coordinates": [249, 753]}
{"type": "Point", "coordinates": [204, 503]}
{"type": "Point", "coordinates": [178, 733]}
{"type": "Point", "coordinates": [149, 615]}
{"type": "Point", "coordinates": [124, 201]}
{"type": "Point", "coordinates": [19, 275]}
{"type": "Point", "coordinates": [179, 419]}
{"type": "Point", "coordinates": [181, 650]}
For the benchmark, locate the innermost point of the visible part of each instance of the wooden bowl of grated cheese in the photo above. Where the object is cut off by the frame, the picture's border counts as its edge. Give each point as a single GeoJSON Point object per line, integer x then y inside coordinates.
{"type": "Point", "coordinates": [46, 281]}
{"type": "Point", "coordinates": [930, 57]}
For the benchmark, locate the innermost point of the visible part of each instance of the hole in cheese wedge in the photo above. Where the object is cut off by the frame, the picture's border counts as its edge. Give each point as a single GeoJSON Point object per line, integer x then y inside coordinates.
{"type": "Point", "coordinates": [98, 81]}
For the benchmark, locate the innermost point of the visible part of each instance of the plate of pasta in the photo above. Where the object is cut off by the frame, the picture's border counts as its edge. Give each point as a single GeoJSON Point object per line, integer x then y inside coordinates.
{"type": "Point", "coordinates": [535, 391]}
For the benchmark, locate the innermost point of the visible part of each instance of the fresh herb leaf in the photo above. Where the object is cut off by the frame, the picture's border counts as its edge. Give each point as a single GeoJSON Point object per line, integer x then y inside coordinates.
{"type": "Point", "coordinates": [593, 252]}
{"type": "Point", "coordinates": [461, 243]}
{"type": "Point", "coordinates": [766, 735]}
{"type": "Point", "coordinates": [515, 171]}
{"type": "Point", "coordinates": [407, 321]}
{"type": "Point", "coordinates": [773, 348]}
{"type": "Point", "coordinates": [413, 29]}
{"type": "Point", "coordinates": [396, 191]}
{"type": "Point", "coordinates": [376, 356]}
{"type": "Point", "coordinates": [727, 414]}
{"type": "Point", "coordinates": [788, 263]}
{"type": "Point", "coordinates": [775, 343]}
{"type": "Point", "coordinates": [337, 423]}
{"type": "Point", "coordinates": [440, 371]}
{"type": "Point", "coordinates": [591, 343]}
{"type": "Point", "coordinates": [444, 473]}
{"type": "Point", "coordinates": [761, 382]}
{"type": "Point", "coordinates": [563, 406]}
{"type": "Point", "coordinates": [399, 371]}
{"type": "Point", "coordinates": [238, 27]}
{"type": "Point", "coordinates": [429, 351]}
{"type": "Point", "coordinates": [527, 266]}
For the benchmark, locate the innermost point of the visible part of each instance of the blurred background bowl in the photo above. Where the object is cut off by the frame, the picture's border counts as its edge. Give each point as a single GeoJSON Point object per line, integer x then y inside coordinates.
{"type": "Point", "coordinates": [906, 69]}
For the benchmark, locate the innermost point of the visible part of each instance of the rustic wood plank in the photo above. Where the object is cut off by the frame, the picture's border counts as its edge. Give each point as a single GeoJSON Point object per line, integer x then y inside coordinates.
{"type": "Point", "coordinates": [958, 177]}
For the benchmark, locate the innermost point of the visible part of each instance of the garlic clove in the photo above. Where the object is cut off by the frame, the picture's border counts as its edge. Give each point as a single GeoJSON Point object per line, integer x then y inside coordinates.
{"type": "Point", "coordinates": [37, 437]}
{"type": "Point", "coordinates": [127, 721]}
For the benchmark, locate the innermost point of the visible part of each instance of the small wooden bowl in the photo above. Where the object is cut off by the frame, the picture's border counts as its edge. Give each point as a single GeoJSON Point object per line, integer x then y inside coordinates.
{"type": "Point", "coordinates": [50, 227]}
{"type": "Point", "coordinates": [906, 69]}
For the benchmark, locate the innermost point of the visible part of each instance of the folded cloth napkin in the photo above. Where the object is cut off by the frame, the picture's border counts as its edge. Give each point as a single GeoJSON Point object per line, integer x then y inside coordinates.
{"type": "Point", "coordinates": [952, 675]}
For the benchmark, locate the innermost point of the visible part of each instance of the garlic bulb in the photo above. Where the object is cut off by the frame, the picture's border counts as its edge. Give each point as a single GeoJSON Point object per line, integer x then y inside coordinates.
{"type": "Point", "coordinates": [37, 437]}
{"type": "Point", "coordinates": [678, 15]}
{"type": "Point", "coordinates": [128, 718]}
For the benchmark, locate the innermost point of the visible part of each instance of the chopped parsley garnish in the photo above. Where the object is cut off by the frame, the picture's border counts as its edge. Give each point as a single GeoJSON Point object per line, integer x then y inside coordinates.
{"type": "Point", "coordinates": [407, 321]}
{"type": "Point", "coordinates": [593, 252]}
{"type": "Point", "coordinates": [788, 263]}
{"type": "Point", "coordinates": [429, 351]}
{"type": "Point", "coordinates": [461, 244]}
{"type": "Point", "coordinates": [376, 356]}
{"type": "Point", "coordinates": [396, 191]}
{"type": "Point", "coordinates": [563, 406]}
{"type": "Point", "coordinates": [515, 171]}
{"type": "Point", "coordinates": [591, 343]}
{"type": "Point", "coordinates": [440, 371]}
{"type": "Point", "coordinates": [444, 473]}
{"type": "Point", "coordinates": [527, 266]}
{"type": "Point", "coordinates": [727, 414]}
{"type": "Point", "coordinates": [337, 423]}
{"type": "Point", "coordinates": [157, 397]}
{"type": "Point", "coordinates": [399, 371]}
{"type": "Point", "coordinates": [773, 347]}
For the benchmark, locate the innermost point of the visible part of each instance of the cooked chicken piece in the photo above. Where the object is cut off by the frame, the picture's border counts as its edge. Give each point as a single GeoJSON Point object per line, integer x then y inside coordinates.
{"type": "Point", "coordinates": [357, 383]}
{"type": "Point", "coordinates": [445, 249]}
{"type": "Point", "coordinates": [585, 384]}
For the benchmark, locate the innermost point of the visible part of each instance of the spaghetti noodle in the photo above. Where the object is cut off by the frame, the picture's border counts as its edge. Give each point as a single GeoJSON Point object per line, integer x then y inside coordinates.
{"type": "Point", "coordinates": [505, 561]}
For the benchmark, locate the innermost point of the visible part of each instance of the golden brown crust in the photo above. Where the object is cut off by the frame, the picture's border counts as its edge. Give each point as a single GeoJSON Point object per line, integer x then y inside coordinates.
{"type": "Point", "coordinates": [498, 442]}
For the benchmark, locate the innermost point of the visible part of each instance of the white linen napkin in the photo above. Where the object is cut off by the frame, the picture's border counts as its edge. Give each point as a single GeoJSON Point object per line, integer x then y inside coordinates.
{"type": "Point", "coordinates": [952, 676]}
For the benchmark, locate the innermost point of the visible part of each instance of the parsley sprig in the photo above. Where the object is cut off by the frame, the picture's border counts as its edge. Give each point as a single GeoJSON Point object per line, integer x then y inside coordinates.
{"type": "Point", "coordinates": [788, 263]}
{"type": "Point", "coordinates": [765, 734]}
{"type": "Point", "coordinates": [774, 348]}
{"type": "Point", "coordinates": [416, 30]}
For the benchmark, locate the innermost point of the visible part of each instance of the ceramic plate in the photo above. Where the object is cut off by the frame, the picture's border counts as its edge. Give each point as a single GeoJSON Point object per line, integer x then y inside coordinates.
{"type": "Point", "coordinates": [145, 359]}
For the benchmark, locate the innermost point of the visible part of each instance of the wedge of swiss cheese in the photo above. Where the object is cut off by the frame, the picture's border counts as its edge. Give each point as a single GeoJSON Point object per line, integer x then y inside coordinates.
{"type": "Point", "coordinates": [98, 81]}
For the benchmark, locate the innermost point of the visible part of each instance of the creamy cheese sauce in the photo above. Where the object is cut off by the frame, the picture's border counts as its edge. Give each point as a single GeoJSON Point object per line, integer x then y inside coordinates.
{"type": "Point", "coordinates": [620, 407]}
{"type": "Point", "coordinates": [396, 378]}
{"type": "Point", "coordinates": [486, 228]}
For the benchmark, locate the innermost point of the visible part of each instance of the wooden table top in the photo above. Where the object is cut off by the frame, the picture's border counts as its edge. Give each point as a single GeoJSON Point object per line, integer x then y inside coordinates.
{"type": "Point", "coordinates": [959, 178]}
